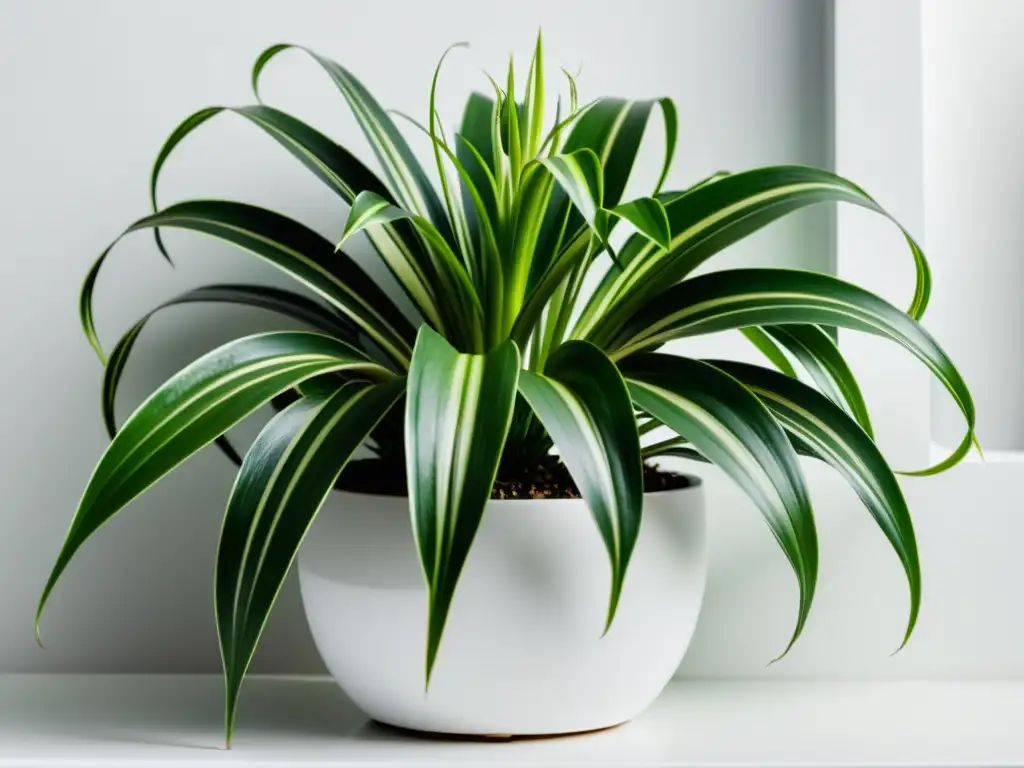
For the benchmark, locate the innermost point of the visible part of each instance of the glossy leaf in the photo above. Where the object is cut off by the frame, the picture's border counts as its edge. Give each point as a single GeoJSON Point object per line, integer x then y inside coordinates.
{"type": "Point", "coordinates": [291, 247]}
{"type": "Point", "coordinates": [458, 411]}
{"type": "Point", "coordinates": [713, 216]}
{"type": "Point", "coordinates": [582, 401]}
{"type": "Point", "coordinates": [190, 410]}
{"type": "Point", "coordinates": [839, 440]}
{"type": "Point", "coordinates": [408, 181]}
{"type": "Point", "coordinates": [273, 299]}
{"type": "Point", "coordinates": [740, 298]}
{"type": "Point", "coordinates": [284, 480]}
{"type": "Point", "coordinates": [729, 425]}
{"type": "Point", "coordinates": [461, 314]}
{"type": "Point", "coordinates": [819, 354]}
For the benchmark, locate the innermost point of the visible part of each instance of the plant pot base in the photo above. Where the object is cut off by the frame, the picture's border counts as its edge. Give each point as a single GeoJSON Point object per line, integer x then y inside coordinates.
{"type": "Point", "coordinates": [492, 737]}
{"type": "Point", "coordinates": [524, 651]}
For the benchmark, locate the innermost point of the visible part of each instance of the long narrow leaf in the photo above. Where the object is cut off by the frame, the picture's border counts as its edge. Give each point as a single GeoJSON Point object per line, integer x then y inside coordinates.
{"type": "Point", "coordinates": [408, 181]}
{"type": "Point", "coordinates": [458, 411]}
{"type": "Point", "coordinates": [336, 167]}
{"type": "Point", "coordinates": [190, 410]}
{"type": "Point", "coordinates": [286, 475]}
{"type": "Point", "coordinates": [740, 298]}
{"type": "Point", "coordinates": [273, 299]}
{"type": "Point", "coordinates": [713, 216]}
{"type": "Point", "coordinates": [729, 425]}
{"type": "Point", "coordinates": [820, 356]}
{"type": "Point", "coordinates": [458, 303]}
{"type": "Point", "coordinates": [291, 247]}
{"type": "Point", "coordinates": [841, 441]}
{"type": "Point", "coordinates": [582, 401]}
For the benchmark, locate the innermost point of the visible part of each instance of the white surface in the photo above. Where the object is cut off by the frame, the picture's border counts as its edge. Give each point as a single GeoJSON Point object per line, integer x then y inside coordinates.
{"type": "Point", "coordinates": [90, 90]}
{"type": "Point", "coordinates": [973, 161]}
{"type": "Point", "coordinates": [523, 651]}
{"type": "Point", "coordinates": [94, 721]}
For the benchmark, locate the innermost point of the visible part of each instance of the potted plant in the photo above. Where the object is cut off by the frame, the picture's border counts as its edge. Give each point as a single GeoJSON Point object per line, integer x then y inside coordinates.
{"type": "Point", "coordinates": [509, 414]}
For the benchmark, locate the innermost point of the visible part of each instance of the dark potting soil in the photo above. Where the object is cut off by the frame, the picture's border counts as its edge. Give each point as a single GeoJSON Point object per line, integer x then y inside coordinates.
{"type": "Point", "coordinates": [549, 479]}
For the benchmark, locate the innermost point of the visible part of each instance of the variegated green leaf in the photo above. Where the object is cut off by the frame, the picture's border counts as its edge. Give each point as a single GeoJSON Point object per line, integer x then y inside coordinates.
{"type": "Point", "coordinates": [274, 299]}
{"type": "Point", "coordinates": [839, 440]}
{"type": "Point", "coordinates": [582, 401]}
{"type": "Point", "coordinates": [713, 216]}
{"type": "Point", "coordinates": [726, 423]}
{"type": "Point", "coordinates": [286, 475]}
{"type": "Point", "coordinates": [291, 247]}
{"type": "Point", "coordinates": [190, 410]}
{"type": "Point", "coordinates": [336, 167]}
{"type": "Point", "coordinates": [458, 411]}
{"type": "Point", "coordinates": [580, 176]}
{"type": "Point", "coordinates": [819, 354]}
{"type": "Point", "coordinates": [460, 311]}
{"type": "Point", "coordinates": [408, 181]}
{"type": "Point", "coordinates": [769, 349]}
{"type": "Point", "coordinates": [740, 298]}
{"type": "Point", "coordinates": [646, 214]}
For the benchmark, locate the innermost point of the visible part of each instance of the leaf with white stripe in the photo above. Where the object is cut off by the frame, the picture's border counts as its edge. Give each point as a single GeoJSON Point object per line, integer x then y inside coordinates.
{"type": "Point", "coordinates": [580, 176]}
{"type": "Point", "coordinates": [732, 428]}
{"type": "Point", "coordinates": [274, 299]}
{"type": "Point", "coordinates": [767, 346]}
{"type": "Point", "coordinates": [458, 411]}
{"type": "Point", "coordinates": [582, 401]}
{"type": "Point", "coordinates": [291, 247]}
{"type": "Point", "coordinates": [284, 479]}
{"type": "Point", "coordinates": [646, 214]}
{"type": "Point", "coordinates": [839, 440]}
{"type": "Point", "coordinates": [409, 183]}
{"type": "Point", "coordinates": [739, 298]}
{"type": "Point", "coordinates": [456, 299]}
{"type": "Point", "coordinates": [190, 410]}
{"type": "Point", "coordinates": [713, 216]}
{"type": "Point", "coordinates": [819, 354]}
{"type": "Point", "coordinates": [335, 166]}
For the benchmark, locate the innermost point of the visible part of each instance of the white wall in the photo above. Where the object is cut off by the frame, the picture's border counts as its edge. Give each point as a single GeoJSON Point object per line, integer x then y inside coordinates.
{"type": "Point", "coordinates": [91, 88]}
{"type": "Point", "coordinates": [974, 193]}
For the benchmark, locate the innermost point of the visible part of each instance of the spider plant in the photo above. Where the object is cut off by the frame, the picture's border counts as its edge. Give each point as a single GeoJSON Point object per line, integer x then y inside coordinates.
{"type": "Point", "coordinates": [504, 358]}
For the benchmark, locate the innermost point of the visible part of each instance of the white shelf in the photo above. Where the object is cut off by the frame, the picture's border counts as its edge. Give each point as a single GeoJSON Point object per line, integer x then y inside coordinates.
{"type": "Point", "coordinates": [175, 721]}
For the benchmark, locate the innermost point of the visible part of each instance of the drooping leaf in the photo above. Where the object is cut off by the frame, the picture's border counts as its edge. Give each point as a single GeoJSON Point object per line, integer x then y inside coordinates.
{"type": "Point", "coordinates": [291, 247]}
{"type": "Point", "coordinates": [730, 426]}
{"type": "Point", "coordinates": [582, 401]}
{"type": "Point", "coordinates": [739, 298]}
{"type": "Point", "coordinates": [839, 440]}
{"type": "Point", "coordinates": [713, 216]}
{"type": "Point", "coordinates": [284, 479]}
{"type": "Point", "coordinates": [273, 299]}
{"type": "Point", "coordinates": [409, 183]}
{"type": "Point", "coordinates": [458, 411]}
{"type": "Point", "coordinates": [190, 410]}
{"type": "Point", "coordinates": [819, 354]}
{"type": "Point", "coordinates": [335, 166]}
{"type": "Point", "coordinates": [456, 298]}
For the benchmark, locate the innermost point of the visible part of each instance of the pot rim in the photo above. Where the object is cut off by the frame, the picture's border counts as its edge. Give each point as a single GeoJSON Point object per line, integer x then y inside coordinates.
{"type": "Point", "coordinates": [696, 484]}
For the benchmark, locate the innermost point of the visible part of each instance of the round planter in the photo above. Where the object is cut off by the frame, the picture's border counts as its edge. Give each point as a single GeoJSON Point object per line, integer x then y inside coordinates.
{"type": "Point", "coordinates": [523, 652]}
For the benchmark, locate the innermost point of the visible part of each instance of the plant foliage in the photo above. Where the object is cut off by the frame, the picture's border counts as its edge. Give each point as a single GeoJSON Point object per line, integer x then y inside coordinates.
{"type": "Point", "coordinates": [505, 357]}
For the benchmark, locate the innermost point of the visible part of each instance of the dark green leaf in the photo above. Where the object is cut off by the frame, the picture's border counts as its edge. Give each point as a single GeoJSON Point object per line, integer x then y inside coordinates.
{"type": "Point", "coordinates": [458, 411]}
{"type": "Point", "coordinates": [582, 401]}
{"type": "Point", "coordinates": [286, 475]}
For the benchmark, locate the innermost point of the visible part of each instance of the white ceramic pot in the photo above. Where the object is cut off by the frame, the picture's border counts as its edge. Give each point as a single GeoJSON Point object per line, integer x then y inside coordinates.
{"type": "Point", "coordinates": [522, 653]}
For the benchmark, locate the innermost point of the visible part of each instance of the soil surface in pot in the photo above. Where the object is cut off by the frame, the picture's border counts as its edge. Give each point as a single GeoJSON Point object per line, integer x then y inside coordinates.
{"type": "Point", "coordinates": [549, 479]}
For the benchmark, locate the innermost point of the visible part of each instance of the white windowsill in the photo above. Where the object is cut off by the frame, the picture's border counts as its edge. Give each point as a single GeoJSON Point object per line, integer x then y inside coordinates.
{"type": "Point", "coordinates": [95, 720]}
